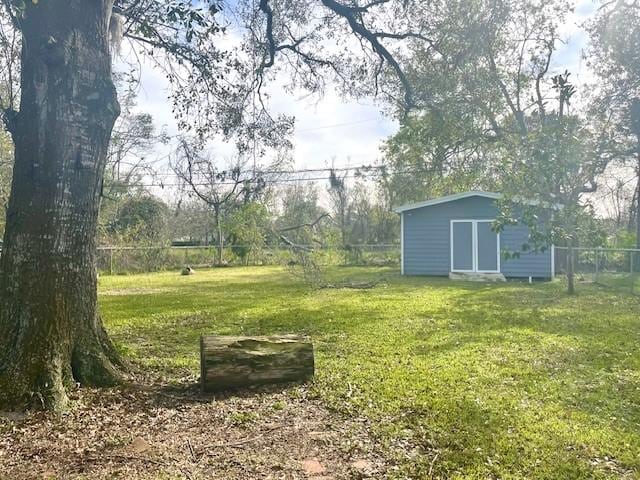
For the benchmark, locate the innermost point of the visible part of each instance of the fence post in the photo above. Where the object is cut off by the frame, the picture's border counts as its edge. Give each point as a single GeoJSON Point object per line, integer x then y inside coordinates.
{"type": "Point", "coordinates": [631, 259]}
{"type": "Point", "coordinates": [111, 261]}
{"type": "Point", "coordinates": [571, 272]}
{"type": "Point", "coordinates": [597, 263]}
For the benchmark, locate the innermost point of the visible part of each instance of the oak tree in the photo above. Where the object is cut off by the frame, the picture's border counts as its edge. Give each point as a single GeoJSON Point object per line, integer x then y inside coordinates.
{"type": "Point", "coordinates": [51, 334]}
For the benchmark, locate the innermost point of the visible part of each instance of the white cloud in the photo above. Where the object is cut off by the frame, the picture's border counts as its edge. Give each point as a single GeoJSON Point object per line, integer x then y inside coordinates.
{"type": "Point", "coordinates": [569, 55]}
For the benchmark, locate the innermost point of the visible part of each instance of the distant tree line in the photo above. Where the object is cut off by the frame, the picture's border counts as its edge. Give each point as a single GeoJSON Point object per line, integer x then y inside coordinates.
{"type": "Point", "coordinates": [488, 113]}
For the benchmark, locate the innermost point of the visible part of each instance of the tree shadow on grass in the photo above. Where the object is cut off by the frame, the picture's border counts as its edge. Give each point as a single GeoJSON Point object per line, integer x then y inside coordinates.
{"type": "Point", "coordinates": [174, 340]}
{"type": "Point", "coordinates": [530, 344]}
{"type": "Point", "coordinates": [558, 355]}
{"type": "Point", "coordinates": [546, 310]}
{"type": "Point", "coordinates": [187, 390]}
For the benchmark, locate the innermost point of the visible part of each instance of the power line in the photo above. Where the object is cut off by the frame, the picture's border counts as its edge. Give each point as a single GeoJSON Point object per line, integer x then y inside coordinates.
{"type": "Point", "coordinates": [209, 184]}
{"type": "Point", "coordinates": [295, 171]}
{"type": "Point", "coordinates": [281, 181]}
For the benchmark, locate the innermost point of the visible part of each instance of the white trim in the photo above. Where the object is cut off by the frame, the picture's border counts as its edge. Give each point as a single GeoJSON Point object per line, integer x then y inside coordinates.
{"type": "Point", "coordinates": [450, 245]}
{"type": "Point", "coordinates": [472, 193]}
{"type": "Point", "coordinates": [591, 249]}
{"type": "Point", "coordinates": [402, 244]}
{"type": "Point", "coordinates": [553, 261]}
{"type": "Point", "coordinates": [498, 256]}
{"type": "Point", "coordinates": [448, 198]}
{"type": "Point", "coordinates": [474, 246]}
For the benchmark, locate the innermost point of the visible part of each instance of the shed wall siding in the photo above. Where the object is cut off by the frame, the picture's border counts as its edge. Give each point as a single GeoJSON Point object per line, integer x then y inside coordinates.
{"type": "Point", "coordinates": [528, 264]}
{"type": "Point", "coordinates": [427, 249]}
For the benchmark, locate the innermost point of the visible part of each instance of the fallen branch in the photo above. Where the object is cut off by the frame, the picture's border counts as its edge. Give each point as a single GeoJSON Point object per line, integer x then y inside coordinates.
{"type": "Point", "coordinates": [352, 285]}
{"type": "Point", "coordinates": [433, 462]}
{"type": "Point", "coordinates": [116, 456]}
{"type": "Point", "coordinates": [305, 225]}
{"type": "Point", "coordinates": [295, 246]}
{"type": "Point", "coordinates": [191, 451]}
{"type": "Point", "coordinates": [238, 443]}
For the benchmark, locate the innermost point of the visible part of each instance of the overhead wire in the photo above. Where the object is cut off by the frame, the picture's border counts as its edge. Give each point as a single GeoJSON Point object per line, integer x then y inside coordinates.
{"type": "Point", "coordinates": [362, 172]}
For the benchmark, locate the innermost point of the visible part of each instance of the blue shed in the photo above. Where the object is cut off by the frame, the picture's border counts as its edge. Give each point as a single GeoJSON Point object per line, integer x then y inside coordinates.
{"type": "Point", "coordinates": [452, 236]}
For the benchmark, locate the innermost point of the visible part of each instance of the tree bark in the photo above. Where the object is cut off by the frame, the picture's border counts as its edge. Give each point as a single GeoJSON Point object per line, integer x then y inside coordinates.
{"type": "Point", "coordinates": [50, 330]}
{"type": "Point", "coordinates": [235, 362]}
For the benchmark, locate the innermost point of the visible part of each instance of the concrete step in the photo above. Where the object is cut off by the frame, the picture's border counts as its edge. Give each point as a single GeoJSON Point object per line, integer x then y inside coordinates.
{"type": "Point", "coordinates": [477, 277]}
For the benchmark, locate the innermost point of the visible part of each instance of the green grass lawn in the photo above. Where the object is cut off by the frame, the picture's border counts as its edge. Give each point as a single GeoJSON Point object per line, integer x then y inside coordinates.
{"type": "Point", "coordinates": [472, 380]}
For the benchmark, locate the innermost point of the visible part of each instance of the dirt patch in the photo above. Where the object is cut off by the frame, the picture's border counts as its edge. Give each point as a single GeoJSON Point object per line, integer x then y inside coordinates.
{"type": "Point", "coordinates": [152, 431]}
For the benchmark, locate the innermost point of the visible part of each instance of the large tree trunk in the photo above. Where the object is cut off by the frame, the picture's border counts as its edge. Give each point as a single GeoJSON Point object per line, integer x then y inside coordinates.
{"type": "Point", "coordinates": [50, 330]}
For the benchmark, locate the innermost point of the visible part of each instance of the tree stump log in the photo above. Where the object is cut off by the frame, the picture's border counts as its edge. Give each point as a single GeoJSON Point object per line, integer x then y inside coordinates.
{"type": "Point", "coordinates": [228, 362]}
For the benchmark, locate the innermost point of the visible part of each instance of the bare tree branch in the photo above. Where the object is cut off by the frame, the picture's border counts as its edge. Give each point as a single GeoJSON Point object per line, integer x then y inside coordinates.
{"type": "Point", "coordinates": [305, 225]}
{"type": "Point", "coordinates": [348, 13]}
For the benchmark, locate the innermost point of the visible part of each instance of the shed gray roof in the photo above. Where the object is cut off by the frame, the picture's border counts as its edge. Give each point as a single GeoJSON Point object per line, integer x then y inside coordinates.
{"type": "Point", "coordinates": [448, 198]}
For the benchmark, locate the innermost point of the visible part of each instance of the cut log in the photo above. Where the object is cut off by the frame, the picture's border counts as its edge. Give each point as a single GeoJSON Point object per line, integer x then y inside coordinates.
{"type": "Point", "coordinates": [228, 362]}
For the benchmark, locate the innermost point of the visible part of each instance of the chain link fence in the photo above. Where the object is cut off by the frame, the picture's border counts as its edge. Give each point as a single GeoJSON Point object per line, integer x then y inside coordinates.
{"type": "Point", "coordinates": [114, 260]}
{"type": "Point", "coordinates": [616, 268]}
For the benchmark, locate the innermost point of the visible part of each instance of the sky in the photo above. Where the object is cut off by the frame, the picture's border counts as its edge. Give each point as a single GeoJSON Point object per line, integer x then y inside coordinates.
{"type": "Point", "coordinates": [326, 129]}
{"type": "Point", "coordinates": [334, 131]}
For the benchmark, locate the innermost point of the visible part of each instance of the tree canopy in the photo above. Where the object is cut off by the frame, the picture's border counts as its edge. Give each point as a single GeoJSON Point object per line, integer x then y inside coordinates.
{"type": "Point", "coordinates": [60, 107]}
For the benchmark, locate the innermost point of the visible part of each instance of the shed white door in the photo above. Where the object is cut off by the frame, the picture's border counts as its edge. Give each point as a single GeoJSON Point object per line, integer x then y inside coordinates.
{"type": "Point", "coordinates": [474, 247]}
{"type": "Point", "coordinates": [462, 246]}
